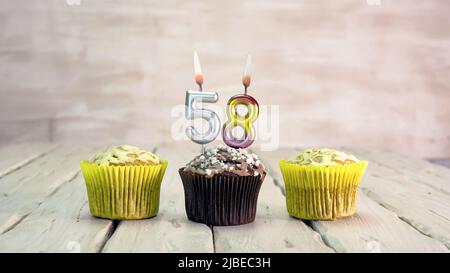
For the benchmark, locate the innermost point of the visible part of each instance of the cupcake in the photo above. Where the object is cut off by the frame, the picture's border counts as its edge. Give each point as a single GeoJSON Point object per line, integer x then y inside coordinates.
{"type": "Point", "coordinates": [123, 183]}
{"type": "Point", "coordinates": [322, 184]}
{"type": "Point", "coordinates": [221, 186]}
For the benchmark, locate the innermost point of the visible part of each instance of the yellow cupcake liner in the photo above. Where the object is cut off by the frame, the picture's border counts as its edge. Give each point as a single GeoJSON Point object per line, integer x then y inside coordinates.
{"type": "Point", "coordinates": [321, 192]}
{"type": "Point", "coordinates": [123, 192]}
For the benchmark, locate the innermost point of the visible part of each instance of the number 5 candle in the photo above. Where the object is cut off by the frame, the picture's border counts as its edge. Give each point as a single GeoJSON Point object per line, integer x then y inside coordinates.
{"type": "Point", "coordinates": [192, 111]}
{"type": "Point", "coordinates": [235, 119]}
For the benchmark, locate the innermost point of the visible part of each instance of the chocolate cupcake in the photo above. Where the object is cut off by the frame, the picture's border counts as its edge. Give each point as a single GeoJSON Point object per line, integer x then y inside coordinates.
{"type": "Point", "coordinates": [221, 186]}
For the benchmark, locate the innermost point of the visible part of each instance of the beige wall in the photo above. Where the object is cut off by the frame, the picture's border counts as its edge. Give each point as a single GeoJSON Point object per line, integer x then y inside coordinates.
{"type": "Point", "coordinates": [343, 72]}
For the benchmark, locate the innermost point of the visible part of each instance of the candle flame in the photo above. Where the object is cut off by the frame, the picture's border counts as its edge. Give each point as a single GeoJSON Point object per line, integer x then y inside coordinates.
{"type": "Point", "coordinates": [198, 70]}
{"type": "Point", "coordinates": [246, 78]}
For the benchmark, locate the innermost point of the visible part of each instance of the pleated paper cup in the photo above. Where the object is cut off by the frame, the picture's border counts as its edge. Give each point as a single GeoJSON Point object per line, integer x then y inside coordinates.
{"type": "Point", "coordinates": [221, 200]}
{"type": "Point", "coordinates": [123, 192]}
{"type": "Point", "coordinates": [321, 192]}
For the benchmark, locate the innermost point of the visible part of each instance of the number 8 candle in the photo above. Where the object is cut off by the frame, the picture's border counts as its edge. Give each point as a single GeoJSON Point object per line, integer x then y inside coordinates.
{"type": "Point", "coordinates": [235, 119]}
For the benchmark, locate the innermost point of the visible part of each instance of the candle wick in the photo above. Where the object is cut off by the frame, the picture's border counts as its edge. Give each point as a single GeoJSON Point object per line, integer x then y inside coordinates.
{"type": "Point", "coordinates": [200, 87]}
{"type": "Point", "coordinates": [245, 89]}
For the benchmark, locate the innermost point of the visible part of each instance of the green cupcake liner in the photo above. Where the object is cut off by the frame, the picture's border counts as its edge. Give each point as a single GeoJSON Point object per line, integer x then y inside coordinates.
{"type": "Point", "coordinates": [321, 192]}
{"type": "Point", "coordinates": [123, 192]}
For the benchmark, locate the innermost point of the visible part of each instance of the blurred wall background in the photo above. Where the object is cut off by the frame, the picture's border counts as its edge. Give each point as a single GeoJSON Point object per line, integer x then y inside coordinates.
{"type": "Point", "coordinates": [356, 73]}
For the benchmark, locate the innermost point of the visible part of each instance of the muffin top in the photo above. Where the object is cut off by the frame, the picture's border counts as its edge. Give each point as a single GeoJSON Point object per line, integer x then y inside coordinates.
{"type": "Point", "coordinates": [226, 160]}
{"type": "Point", "coordinates": [323, 157]}
{"type": "Point", "coordinates": [125, 155]}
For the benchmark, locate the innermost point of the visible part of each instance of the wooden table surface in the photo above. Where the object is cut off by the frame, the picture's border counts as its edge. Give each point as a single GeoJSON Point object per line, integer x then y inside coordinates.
{"type": "Point", "coordinates": [404, 206]}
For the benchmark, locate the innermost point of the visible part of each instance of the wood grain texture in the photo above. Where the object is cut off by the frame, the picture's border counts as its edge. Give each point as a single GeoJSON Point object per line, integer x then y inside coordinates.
{"type": "Point", "coordinates": [425, 206]}
{"type": "Point", "coordinates": [62, 223]}
{"type": "Point", "coordinates": [375, 227]}
{"type": "Point", "coordinates": [170, 230]}
{"type": "Point", "coordinates": [14, 157]}
{"type": "Point", "coordinates": [415, 169]}
{"type": "Point", "coordinates": [25, 189]}
{"type": "Point", "coordinates": [403, 207]}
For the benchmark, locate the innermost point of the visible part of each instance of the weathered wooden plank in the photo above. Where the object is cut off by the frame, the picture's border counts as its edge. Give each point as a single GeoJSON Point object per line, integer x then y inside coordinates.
{"type": "Point", "coordinates": [170, 230]}
{"type": "Point", "coordinates": [385, 230]}
{"type": "Point", "coordinates": [416, 190]}
{"type": "Point", "coordinates": [416, 170]}
{"type": "Point", "coordinates": [374, 229]}
{"type": "Point", "coordinates": [24, 190]}
{"type": "Point", "coordinates": [62, 223]}
{"type": "Point", "coordinates": [37, 190]}
{"type": "Point", "coordinates": [272, 231]}
{"type": "Point", "coordinates": [425, 208]}
{"type": "Point", "coordinates": [18, 155]}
